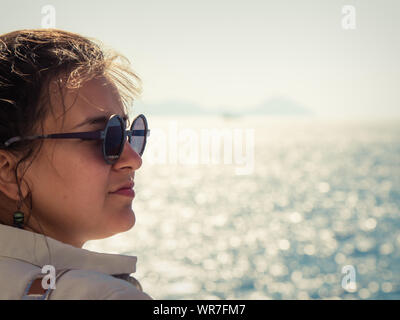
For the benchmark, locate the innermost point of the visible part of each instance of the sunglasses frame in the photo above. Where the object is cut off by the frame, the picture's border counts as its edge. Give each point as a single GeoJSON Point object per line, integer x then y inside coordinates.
{"type": "Point", "coordinates": [96, 135]}
{"type": "Point", "coordinates": [126, 133]}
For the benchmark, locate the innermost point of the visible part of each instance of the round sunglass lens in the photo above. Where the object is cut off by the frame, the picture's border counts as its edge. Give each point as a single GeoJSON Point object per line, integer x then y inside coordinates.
{"type": "Point", "coordinates": [113, 139]}
{"type": "Point", "coordinates": [138, 136]}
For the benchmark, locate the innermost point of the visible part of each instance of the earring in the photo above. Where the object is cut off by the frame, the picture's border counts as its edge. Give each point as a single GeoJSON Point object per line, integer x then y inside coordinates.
{"type": "Point", "coordinates": [18, 217]}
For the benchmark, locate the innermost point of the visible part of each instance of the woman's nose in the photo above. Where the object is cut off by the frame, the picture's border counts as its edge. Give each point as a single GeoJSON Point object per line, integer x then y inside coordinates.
{"type": "Point", "coordinates": [129, 157]}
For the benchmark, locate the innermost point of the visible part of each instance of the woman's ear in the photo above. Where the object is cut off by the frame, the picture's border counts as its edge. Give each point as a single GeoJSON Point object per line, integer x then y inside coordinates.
{"type": "Point", "coordinates": [8, 183]}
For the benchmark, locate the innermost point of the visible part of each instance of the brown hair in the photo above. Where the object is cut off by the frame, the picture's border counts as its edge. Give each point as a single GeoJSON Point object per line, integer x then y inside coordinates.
{"type": "Point", "coordinates": [30, 60]}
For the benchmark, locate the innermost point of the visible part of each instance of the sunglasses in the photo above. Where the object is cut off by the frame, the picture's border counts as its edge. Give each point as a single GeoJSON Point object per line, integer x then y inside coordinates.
{"type": "Point", "coordinates": [113, 137]}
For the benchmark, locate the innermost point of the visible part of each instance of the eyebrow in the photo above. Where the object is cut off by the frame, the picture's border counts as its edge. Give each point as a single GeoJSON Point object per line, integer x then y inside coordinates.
{"type": "Point", "coordinates": [97, 119]}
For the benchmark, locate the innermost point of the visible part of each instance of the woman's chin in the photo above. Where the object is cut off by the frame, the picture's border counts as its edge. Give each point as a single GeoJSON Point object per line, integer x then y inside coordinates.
{"type": "Point", "coordinates": [119, 224]}
{"type": "Point", "coordinates": [125, 222]}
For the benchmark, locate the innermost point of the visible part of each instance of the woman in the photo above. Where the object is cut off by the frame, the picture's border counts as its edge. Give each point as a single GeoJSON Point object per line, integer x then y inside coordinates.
{"type": "Point", "coordinates": [60, 169]}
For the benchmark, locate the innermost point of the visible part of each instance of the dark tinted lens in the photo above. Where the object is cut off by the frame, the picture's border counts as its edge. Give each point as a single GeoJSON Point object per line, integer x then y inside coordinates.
{"type": "Point", "coordinates": [113, 139]}
{"type": "Point", "coordinates": [138, 136]}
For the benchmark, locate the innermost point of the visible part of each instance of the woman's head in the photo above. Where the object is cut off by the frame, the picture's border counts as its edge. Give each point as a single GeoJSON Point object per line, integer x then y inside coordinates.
{"type": "Point", "coordinates": [51, 81]}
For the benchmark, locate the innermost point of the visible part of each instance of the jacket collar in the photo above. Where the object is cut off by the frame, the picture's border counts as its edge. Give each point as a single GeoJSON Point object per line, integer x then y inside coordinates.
{"type": "Point", "coordinates": [31, 247]}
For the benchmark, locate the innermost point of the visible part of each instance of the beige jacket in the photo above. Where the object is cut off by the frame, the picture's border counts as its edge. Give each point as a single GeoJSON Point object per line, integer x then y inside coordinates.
{"type": "Point", "coordinates": [78, 274]}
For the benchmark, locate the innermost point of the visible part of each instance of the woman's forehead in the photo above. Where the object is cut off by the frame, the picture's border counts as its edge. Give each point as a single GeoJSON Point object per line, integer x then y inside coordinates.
{"type": "Point", "coordinates": [95, 98]}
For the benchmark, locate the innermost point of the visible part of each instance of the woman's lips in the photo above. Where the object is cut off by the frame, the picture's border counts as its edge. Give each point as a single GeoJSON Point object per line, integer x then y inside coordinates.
{"type": "Point", "coordinates": [125, 192]}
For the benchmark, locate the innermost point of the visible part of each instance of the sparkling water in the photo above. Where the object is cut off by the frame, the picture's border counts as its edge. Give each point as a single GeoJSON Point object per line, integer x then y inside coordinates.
{"type": "Point", "coordinates": [324, 194]}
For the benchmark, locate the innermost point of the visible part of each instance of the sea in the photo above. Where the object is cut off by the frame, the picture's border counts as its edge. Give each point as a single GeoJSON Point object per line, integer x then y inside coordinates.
{"type": "Point", "coordinates": [266, 207]}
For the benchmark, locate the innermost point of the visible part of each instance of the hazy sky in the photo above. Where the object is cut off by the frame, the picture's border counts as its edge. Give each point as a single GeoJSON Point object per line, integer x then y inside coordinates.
{"type": "Point", "coordinates": [240, 53]}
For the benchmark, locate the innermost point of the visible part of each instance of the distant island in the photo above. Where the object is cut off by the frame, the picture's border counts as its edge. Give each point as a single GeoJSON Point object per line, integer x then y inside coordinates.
{"type": "Point", "coordinates": [276, 106]}
{"type": "Point", "coordinates": [280, 106]}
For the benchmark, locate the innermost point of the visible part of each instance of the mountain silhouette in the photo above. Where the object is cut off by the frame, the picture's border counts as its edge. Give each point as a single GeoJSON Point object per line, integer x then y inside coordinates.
{"type": "Point", "coordinates": [281, 106]}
